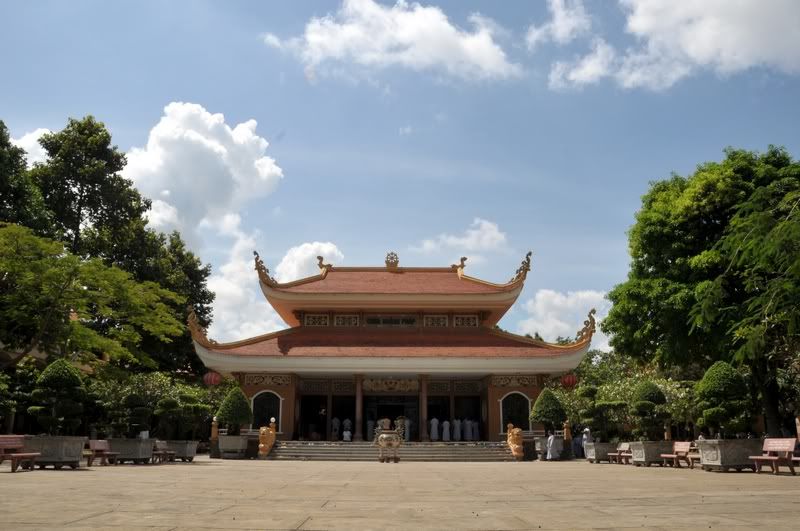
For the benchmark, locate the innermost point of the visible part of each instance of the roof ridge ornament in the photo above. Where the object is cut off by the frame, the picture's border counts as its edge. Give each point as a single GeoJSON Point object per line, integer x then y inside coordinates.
{"type": "Point", "coordinates": [459, 267]}
{"type": "Point", "coordinates": [589, 327]}
{"type": "Point", "coordinates": [197, 330]}
{"type": "Point", "coordinates": [263, 272]}
{"type": "Point", "coordinates": [523, 269]}
{"type": "Point", "coordinates": [392, 260]}
{"type": "Point", "coordinates": [322, 265]}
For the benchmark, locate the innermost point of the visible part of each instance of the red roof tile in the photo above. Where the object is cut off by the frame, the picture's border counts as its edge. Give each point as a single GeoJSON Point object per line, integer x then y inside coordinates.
{"type": "Point", "coordinates": [381, 342]}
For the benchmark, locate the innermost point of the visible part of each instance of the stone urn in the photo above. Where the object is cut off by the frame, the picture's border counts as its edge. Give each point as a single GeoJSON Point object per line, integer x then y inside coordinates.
{"type": "Point", "coordinates": [727, 454]}
{"type": "Point", "coordinates": [184, 450]}
{"type": "Point", "coordinates": [598, 451]}
{"type": "Point", "coordinates": [56, 450]}
{"type": "Point", "coordinates": [137, 451]}
{"type": "Point", "coordinates": [232, 446]}
{"type": "Point", "coordinates": [648, 452]}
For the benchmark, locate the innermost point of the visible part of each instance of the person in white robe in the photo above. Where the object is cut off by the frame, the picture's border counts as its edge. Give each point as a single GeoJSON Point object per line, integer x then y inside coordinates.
{"type": "Point", "coordinates": [446, 430]}
{"type": "Point", "coordinates": [335, 425]}
{"type": "Point", "coordinates": [434, 429]}
{"type": "Point", "coordinates": [467, 430]}
{"type": "Point", "coordinates": [457, 430]}
{"type": "Point", "coordinates": [587, 438]}
{"type": "Point", "coordinates": [550, 446]}
{"type": "Point", "coordinates": [347, 436]}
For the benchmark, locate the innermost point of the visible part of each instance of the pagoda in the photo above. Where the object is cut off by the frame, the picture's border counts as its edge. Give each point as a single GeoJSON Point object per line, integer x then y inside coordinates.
{"type": "Point", "coordinates": [365, 343]}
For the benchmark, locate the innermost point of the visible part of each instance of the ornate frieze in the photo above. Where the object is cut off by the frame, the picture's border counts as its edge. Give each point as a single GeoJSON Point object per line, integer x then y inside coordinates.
{"type": "Point", "coordinates": [318, 387]}
{"type": "Point", "coordinates": [435, 321]}
{"type": "Point", "coordinates": [438, 386]}
{"type": "Point", "coordinates": [390, 385]}
{"type": "Point", "coordinates": [316, 319]}
{"type": "Point", "coordinates": [343, 386]}
{"type": "Point", "coordinates": [467, 387]}
{"type": "Point", "coordinates": [515, 381]}
{"type": "Point", "coordinates": [276, 380]}
{"type": "Point", "coordinates": [345, 320]}
{"type": "Point", "coordinates": [465, 321]}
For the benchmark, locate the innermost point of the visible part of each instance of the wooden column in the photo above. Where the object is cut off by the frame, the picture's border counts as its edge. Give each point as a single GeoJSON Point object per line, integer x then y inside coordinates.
{"type": "Point", "coordinates": [328, 411]}
{"type": "Point", "coordinates": [359, 434]}
{"type": "Point", "coordinates": [423, 407]}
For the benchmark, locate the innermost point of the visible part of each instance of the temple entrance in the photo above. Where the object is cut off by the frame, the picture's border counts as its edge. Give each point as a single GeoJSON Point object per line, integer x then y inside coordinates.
{"type": "Point", "coordinates": [313, 416]}
{"type": "Point", "coordinates": [378, 407]}
{"type": "Point", "coordinates": [515, 409]}
{"type": "Point", "coordinates": [343, 413]}
{"type": "Point", "coordinates": [266, 405]}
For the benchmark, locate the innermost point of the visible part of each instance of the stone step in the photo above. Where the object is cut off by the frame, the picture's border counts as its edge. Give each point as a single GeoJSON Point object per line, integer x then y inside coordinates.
{"type": "Point", "coordinates": [411, 451]}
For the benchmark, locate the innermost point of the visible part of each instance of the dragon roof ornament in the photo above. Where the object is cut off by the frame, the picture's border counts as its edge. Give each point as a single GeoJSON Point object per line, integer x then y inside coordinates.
{"type": "Point", "coordinates": [263, 272]}
{"type": "Point", "coordinates": [197, 330]}
{"type": "Point", "coordinates": [322, 265]}
{"type": "Point", "coordinates": [523, 269]}
{"type": "Point", "coordinates": [589, 327]}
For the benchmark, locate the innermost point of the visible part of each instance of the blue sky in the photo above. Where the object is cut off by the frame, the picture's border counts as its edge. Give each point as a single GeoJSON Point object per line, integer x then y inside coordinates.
{"type": "Point", "coordinates": [437, 130]}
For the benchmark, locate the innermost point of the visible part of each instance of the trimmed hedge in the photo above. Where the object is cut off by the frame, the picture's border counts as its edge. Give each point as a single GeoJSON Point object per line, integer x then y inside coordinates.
{"type": "Point", "coordinates": [234, 411]}
{"type": "Point", "coordinates": [722, 400]}
{"type": "Point", "coordinates": [60, 391]}
{"type": "Point", "coordinates": [548, 410]}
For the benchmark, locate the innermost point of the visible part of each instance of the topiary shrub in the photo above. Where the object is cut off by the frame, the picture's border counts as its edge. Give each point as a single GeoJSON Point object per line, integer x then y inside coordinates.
{"type": "Point", "coordinates": [132, 417]}
{"type": "Point", "coordinates": [60, 392]}
{"type": "Point", "coordinates": [548, 410]}
{"type": "Point", "coordinates": [169, 413]}
{"type": "Point", "coordinates": [648, 416]}
{"type": "Point", "coordinates": [722, 400]}
{"type": "Point", "coordinates": [597, 415]}
{"type": "Point", "coordinates": [179, 418]}
{"type": "Point", "coordinates": [234, 411]}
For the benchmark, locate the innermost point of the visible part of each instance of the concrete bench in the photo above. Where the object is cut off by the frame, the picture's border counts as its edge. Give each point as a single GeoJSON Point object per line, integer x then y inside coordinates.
{"type": "Point", "coordinates": [100, 448]}
{"type": "Point", "coordinates": [776, 452]}
{"type": "Point", "coordinates": [623, 454]}
{"type": "Point", "coordinates": [161, 454]}
{"type": "Point", "coordinates": [680, 452]}
{"type": "Point", "coordinates": [10, 448]}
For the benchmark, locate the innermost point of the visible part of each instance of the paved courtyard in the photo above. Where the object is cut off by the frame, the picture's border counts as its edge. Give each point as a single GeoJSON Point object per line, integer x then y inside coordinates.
{"type": "Point", "coordinates": [211, 494]}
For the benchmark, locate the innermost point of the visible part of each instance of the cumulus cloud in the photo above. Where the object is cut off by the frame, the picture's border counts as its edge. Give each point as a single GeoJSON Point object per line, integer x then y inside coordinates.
{"type": "Point", "coordinates": [569, 20]}
{"type": "Point", "coordinates": [30, 143]}
{"type": "Point", "coordinates": [482, 235]}
{"type": "Point", "coordinates": [301, 261]}
{"type": "Point", "coordinates": [200, 167]}
{"type": "Point", "coordinates": [587, 69]}
{"type": "Point", "coordinates": [366, 35]}
{"type": "Point", "coordinates": [405, 130]}
{"type": "Point", "coordinates": [553, 313]}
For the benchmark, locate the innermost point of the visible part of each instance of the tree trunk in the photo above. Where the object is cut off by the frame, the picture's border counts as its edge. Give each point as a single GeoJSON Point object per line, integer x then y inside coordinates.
{"type": "Point", "coordinates": [765, 381]}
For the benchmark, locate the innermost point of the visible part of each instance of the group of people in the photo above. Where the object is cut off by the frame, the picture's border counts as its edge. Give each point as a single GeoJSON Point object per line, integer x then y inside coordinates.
{"type": "Point", "coordinates": [458, 430]}
{"type": "Point", "coordinates": [346, 427]}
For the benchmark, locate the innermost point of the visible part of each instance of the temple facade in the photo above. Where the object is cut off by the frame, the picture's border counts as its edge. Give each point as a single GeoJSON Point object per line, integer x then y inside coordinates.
{"type": "Point", "coordinates": [365, 343]}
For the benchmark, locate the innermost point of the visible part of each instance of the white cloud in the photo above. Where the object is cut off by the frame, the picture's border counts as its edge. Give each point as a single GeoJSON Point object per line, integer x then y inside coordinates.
{"type": "Point", "coordinates": [587, 69]}
{"type": "Point", "coordinates": [553, 313]}
{"type": "Point", "coordinates": [30, 143]}
{"type": "Point", "coordinates": [406, 130]}
{"type": "Point", "coordinates": [206, 167]}
{"type": "Point", "coordinates": [482, 235]}
{"type": "Point", "coordinates": [569, 20]}
{"type": "Point", "coordinates": [301, 261]}
{"type": "Point", "coordinates": [367, 35]}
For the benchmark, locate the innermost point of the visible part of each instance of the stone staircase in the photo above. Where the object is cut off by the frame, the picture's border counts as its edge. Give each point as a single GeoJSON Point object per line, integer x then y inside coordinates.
{"type": "Point", "coordinates": [411, 451]}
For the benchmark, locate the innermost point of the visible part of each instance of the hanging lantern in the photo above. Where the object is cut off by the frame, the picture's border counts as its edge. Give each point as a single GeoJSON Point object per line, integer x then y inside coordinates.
{"type": "Point", "coordinates": [569, 380]}
{"type": "Point", "coordinates": [212, 378]}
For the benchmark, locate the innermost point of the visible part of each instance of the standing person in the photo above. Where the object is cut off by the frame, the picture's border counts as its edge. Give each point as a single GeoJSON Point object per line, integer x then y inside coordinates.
{"type": "Point", "coordinates": [457, 430]}
{"type": "Point", "coordinates": [467, 429]}
{"type": "Point", "coordinates": [335, 425]}
{"type": "Point", "coordinates": [587, 438]}
{"type": "Point", "coordinates": [551, 438]}
{"type": "Point", "coordinates": [434, 429]}
{"type": "Point", "coordinates": [446, 430]}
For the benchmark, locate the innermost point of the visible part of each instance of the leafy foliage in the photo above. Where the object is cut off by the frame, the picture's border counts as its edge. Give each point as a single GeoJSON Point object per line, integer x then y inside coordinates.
{"type": "Point", "coordinates": [548, 410]}
{"type": "Point", "coordinates": [602, 417]}
{"type": "Point", "coordinates": [647, 414]}
{"type": "Point", "coordinates": [722, 400]}
{"type": "Point", "coordinates": [235, 411]}
{"type": "Point", "coordinates": [20, 198]}
{"type": "Point", "coordinates": [60, 391]}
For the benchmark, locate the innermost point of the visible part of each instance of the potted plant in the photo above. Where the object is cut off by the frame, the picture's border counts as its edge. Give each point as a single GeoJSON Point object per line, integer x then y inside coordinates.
{"type": "Point", "coordinates": [649, 416]}
{"type": "Point", "coordinates": [133, 423]}
{"type": "Point", "coordinates": [722, 403]}
{"type": "Point", "coordinates": [548, 411]}
{"type": "Point", "coordinates": [178, 421]}
{"type": "Point", "coordinates": [60, 392]}
{"type": "Point", "coordinates": [597, 417]}
{"type": "Point", "coordinates": [234, 412]}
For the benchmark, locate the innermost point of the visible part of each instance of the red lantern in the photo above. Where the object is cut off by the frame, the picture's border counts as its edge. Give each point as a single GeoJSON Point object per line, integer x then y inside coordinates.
{"type": "Point", "coordinates": [212, 378]}
{"type": "Point", "coordinates": [569, 380]}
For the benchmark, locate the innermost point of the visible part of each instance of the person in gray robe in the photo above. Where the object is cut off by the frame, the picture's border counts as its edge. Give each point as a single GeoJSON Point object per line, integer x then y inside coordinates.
{"type": "Point", "coordinates": [434, 429]}
{"type": "Point", "coordinates": [347, 425]}
{"type": "Point", "coordinates": [457, 430]}
{"type": "Point", "coordinates": [467, 429]}
{"type": "Point", "coordinates": [446, 430]}
{"type": "Point", "coordinates": [335, 425]}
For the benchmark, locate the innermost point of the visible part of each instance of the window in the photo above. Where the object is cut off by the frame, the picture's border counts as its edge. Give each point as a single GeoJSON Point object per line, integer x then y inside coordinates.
{"type": "Point", "coordinates": [435, 321]}
{"type": "Point", "coordinates": [345, 320]}
{"type": "Point", "coordinates": [391, 320]}
{"type": "Point", "coordinates": [266, 405]}
{"type": "Point", "coordinates": [316, 319]}
{"type": "Point", "coordinates": [465, 321]}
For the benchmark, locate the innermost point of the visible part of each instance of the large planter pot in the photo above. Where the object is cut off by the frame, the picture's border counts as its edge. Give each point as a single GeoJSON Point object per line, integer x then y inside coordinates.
{"type": "Point", "coordinates": [184, 450]}
{"type": "Point", "coordinates": [134, 450]}
{"type": "Point", "coordinates": [648, 452]}
{"type": "Point", "coordinates": [57, 451]}
{"type": "Point", "coordinates": [541, 447]}
{"type": "Point", "coordinates": [726, 454]}
{"type": "Point", "coordinates": [598, 451]}
{"type": "Point", "coordinates": [232, 446]}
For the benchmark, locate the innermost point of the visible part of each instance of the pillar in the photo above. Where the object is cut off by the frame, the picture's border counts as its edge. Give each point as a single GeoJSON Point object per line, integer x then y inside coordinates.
{"type": "Point", "coordinates": [423, 407]}
{"type": "Point", "coordinates": [359, 434]}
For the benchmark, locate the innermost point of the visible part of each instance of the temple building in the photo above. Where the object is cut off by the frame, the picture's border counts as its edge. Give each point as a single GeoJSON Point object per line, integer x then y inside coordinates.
{"type": "Point", "coordinates": [365, 343]}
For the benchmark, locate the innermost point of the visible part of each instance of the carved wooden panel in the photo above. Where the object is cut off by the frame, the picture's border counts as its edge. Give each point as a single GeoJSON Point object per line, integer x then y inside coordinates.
{"type": "Point", "coordinates": [435, 321]}
{"type": "Point", "coordinates": [320, 387]}
{"type": "Point", "coordinates": [465, 321]}
{"type": "Point", "coordinates": [277, 380]}
{"type": "Point", "coordinates": [316, 319]}
{"type": "Point", "coordinates": [467, 387]}
{"type": "Point", "coordinates": [345, 320]}
{"type": "Point", "coordinates": [515, 381]}
{"type": "Point", "coordinates": [390, 385]}
{"type": "Point", "coordinates": [343, 386]}
{"type": "Point", "coordinates": [440, 387]}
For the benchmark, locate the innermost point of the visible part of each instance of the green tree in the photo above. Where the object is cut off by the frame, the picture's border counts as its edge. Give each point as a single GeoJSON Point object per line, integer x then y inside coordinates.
{"type": "Point", "coordinates": [61, 393]}
{"type": "Point", "coordinates": [648, 411]}
{"type": "Point", "coordinates": [548, 410]}
{"type": "Point", "coordinates": [722, 400]}
{"type": "Point", "coordinates": [58, 303]}
{"type": "Point", "coordinates": [20, 199]}
{"type": "Point", "coordinates": [684, 302]}
{"type": "Point", "coordinates": [234, 411]}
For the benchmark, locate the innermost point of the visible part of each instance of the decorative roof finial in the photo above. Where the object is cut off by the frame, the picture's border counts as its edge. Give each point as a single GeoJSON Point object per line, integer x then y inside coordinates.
{"type": "Point", "coordinates": [263, 272]}
{"type": "Point", "coordinates": [197, 330]}
{"type": "Point", "coordinates": [392, 260]}
{"type": "Point", "coordinates": [459, 267]}
{"type": "Point", "coordinates": [322, 265]}
{"type": "Point", "coordinates": [523, 269]}
{"type": "Point", "coordinates": [589, 327]}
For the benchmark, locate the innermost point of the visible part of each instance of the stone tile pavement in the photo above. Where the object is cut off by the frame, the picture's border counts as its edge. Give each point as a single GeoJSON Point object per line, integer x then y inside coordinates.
{"type": "Point", "coordinates": [215, 494]}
